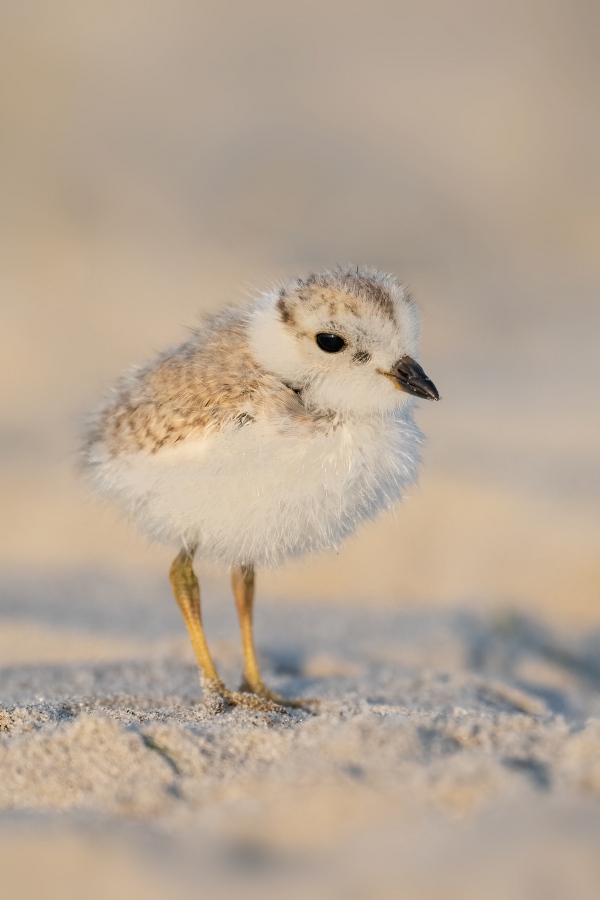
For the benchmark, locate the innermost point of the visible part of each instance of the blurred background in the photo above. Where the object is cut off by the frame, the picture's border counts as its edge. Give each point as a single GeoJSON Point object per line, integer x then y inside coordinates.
{"type": "Point", "coordinates": [161, 159]}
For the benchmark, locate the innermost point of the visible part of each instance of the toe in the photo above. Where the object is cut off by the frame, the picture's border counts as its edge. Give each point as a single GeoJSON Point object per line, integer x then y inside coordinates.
{"type": "Point", "coordinates": [217, 697]}
{"type": "Point", "coordinates": [255, 701]}
{"type": "Point", "coordinates": [262, 691]}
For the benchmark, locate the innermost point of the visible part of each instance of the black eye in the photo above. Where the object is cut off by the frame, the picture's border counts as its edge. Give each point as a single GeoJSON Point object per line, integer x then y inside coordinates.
{"type": "Point", "coordinates": [330, 343]}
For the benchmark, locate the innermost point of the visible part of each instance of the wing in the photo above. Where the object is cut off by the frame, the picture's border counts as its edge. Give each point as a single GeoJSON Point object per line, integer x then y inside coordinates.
{"type": "Point", "coordinates": [206, 384]}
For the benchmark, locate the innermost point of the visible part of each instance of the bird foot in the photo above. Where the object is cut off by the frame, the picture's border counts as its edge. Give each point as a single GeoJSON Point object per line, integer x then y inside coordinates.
{"type": "Point", "coordinates": [261, 691]}
{"type": "Point", "coordinates": [217, 697]}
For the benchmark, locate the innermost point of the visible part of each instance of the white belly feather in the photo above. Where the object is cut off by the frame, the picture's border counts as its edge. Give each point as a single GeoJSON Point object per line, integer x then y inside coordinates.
{"type": "Point", "coordinates": [257, 494]}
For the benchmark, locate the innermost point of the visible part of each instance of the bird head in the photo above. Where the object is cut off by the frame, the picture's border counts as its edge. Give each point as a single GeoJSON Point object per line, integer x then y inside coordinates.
{"type": "Point", "coordinates": [346, 339]}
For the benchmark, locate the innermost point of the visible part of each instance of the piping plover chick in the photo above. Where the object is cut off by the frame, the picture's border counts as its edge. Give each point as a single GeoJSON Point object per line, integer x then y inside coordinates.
{"type": "Point", "coordinates": [275, 430]}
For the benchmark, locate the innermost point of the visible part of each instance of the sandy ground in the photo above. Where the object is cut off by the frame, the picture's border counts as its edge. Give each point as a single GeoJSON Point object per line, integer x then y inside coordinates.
{"type": "Point", "coordinates": [163, 158]}
{"type": "Point", "coordinates": [453, 755]}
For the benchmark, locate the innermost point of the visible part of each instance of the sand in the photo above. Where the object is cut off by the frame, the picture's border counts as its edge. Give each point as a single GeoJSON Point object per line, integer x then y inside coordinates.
{"type": "Point", "coordinates": [452, 755]}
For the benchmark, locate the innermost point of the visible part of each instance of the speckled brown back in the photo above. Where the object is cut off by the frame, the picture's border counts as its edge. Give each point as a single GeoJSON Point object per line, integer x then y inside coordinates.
{"type": "Point", "coordinates": [206, 383]}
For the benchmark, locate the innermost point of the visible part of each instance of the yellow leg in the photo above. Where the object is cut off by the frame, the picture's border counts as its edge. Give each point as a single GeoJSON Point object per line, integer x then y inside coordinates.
{"type": "Point", "coordinates": [242, 582]}
{"type": "Point", "coordinates": [187, 593]}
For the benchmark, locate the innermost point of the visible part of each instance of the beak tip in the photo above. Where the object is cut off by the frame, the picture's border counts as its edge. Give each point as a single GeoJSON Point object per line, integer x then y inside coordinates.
{"type": "Point", "coordinates": [410, 377]}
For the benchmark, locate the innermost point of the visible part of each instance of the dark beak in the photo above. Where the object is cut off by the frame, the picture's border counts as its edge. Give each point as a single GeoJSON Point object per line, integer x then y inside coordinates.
{"type": "Point", "coordinates": [410, 377]}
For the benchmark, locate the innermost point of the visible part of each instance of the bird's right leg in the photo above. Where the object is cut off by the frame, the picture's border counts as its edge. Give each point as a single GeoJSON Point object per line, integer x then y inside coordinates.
{"type": "Point", "coordinates": [242, 582]}
{"type": "Point", "coordinates": [187, 593]}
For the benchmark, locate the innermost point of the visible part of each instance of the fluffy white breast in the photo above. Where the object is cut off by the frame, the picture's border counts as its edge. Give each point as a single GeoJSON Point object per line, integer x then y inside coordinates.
{"type": "Point", "coordinates": [262, 492]}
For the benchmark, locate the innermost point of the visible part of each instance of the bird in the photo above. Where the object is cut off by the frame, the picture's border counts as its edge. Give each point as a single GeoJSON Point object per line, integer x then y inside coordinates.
{"type": "Point", "coordinates": [274, 430]}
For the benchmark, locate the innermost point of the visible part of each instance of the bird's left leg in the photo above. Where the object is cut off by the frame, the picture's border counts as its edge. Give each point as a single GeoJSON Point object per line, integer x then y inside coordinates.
{"type": "Point", "coordinates": [187, 593]}
{"type": "Point", "coordinates": [242, 582]}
